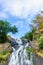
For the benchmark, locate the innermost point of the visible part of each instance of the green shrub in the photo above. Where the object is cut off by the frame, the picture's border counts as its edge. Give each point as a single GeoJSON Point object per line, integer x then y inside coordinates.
{"type": "Point", "coordinates": [4, 55]}
{"type": "Point", "coordinates": [6, 52]}
{"type": "Point", "coordinates": [41, 43]}
{"type": "Point", "coordinates": [28, 50]}
{"type": "Point", "coordinates": [37, 36]}
{"type": "Point", "coordinates": [2, 59]}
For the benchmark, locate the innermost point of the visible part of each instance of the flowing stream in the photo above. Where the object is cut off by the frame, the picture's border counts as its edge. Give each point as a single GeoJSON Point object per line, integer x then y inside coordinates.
{"type": "Point", "coordinates": [19, 56]}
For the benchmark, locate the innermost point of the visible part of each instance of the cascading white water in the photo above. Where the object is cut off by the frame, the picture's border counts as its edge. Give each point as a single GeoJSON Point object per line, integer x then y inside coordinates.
{"type": "Point", "coordinates": [19, 57]}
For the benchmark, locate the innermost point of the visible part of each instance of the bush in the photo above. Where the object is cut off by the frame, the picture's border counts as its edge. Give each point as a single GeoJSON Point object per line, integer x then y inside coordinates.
{"type": "Point", "coordinates": [41, 43]}
{"type": "Point", "coordinates": [37, 36]}
{"type": "Point", "coordinates": [4, 55]}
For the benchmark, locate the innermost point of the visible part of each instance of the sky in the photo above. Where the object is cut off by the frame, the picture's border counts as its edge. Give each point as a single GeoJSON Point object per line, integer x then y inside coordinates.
{"type": "Point", "coordinates": [20, 13]}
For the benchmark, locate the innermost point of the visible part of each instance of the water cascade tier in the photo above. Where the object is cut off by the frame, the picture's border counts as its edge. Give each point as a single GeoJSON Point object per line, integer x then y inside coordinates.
{"type": "Point", "coordinates": [19, 55]}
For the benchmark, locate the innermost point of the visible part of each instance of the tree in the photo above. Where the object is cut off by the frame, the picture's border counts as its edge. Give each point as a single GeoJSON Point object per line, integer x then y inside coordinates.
{"type": "Point", "coordinates": [5, 28]}
{"type": "Point", "coordinates": [29, 35]}
{"type": "Point", "coordinates": [39, 21]}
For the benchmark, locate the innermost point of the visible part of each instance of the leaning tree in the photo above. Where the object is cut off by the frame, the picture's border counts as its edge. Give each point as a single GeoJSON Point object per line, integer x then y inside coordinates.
{"type": "Point", "coordinates": [5, 28]}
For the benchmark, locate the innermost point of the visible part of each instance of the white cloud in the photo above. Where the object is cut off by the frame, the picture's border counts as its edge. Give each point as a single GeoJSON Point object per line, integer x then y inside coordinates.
{"type": "Point", "coordinates": [22, 8]}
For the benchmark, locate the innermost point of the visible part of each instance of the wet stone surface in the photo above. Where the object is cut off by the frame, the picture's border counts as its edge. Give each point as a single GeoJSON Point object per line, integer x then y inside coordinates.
{"type": "Point", "coordinates": [37, 60]}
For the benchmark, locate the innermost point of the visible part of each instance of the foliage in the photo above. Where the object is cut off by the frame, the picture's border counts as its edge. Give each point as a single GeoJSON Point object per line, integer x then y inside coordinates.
{"type": "Point", "coordinates": [29, 35]}
{"type": "Point", "coordinates": [39, 21]}
{"type": "Point", "coordinates": [28, 50]}
{"type": "Point", "coordinates": [5, 52]}
{"type": "Point", "coordinates": [4, 55]}
{"type": "Point", "coordinates": [37, 36]}
{"type": "Point", "coordinates": [5, 28]}
{"type": "Point", "coordinates": [41, 43]}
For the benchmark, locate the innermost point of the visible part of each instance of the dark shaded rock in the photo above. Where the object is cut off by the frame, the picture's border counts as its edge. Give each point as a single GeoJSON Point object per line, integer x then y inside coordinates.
{"type": "Point", "coordinates": [37, 60]}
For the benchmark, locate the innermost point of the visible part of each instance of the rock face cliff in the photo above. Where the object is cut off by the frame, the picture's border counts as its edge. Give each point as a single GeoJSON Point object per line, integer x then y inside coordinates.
{"type": "Point", "coordinates": [37, 60]}
{"type": "Point", "coordinates": [5, 46]}
{"type": "Point", "coordinates": [37, 53]}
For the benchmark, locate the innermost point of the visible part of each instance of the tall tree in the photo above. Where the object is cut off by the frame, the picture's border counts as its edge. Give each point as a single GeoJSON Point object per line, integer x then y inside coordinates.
{"type": "Point", "coordinates": [5, 28]}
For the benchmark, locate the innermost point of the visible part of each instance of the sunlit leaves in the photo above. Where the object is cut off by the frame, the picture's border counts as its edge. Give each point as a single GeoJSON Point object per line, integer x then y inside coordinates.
{"type": "Point", "coordinates": [5, 28]}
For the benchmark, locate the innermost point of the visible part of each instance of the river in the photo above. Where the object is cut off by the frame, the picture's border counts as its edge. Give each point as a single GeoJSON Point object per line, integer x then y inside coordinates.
{"type": "Point", "coordinates": [19, 56]}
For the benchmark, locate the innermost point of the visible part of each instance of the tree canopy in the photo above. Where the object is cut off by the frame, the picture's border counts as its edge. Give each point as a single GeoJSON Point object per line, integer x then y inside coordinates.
{"type": "Point", "coordinates": [5, 28]}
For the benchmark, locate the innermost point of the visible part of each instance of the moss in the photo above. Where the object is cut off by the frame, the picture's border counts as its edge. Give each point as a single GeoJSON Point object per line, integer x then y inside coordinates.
{"type": "Point", "coordinates": [28, 50]}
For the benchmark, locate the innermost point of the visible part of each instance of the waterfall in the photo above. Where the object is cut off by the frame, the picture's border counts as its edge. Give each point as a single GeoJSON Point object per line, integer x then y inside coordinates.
{"type": "Point", "coordinates": [19, 56]}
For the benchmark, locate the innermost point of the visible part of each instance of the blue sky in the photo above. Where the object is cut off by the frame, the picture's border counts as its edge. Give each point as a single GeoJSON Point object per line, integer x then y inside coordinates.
{"type": "Point", "coordinates": [20, 13]}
